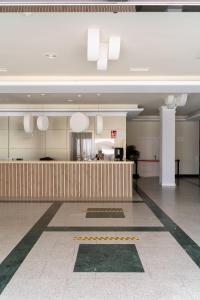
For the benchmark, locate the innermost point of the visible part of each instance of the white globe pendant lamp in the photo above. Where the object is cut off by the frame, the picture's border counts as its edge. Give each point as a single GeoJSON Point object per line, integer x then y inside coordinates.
{"type": "Point", "coordinates": [28, 123]}
{"type": "Point", "coordinates": [79, 122]}
{"type": "Point", "coordinates": [93, 44]}
{"type": "Point", "coordinates": [99, 124]}
{"type": "Point", "coordinates": [43, 123]}
{"type": "Point", "coordinates": [114, 48]}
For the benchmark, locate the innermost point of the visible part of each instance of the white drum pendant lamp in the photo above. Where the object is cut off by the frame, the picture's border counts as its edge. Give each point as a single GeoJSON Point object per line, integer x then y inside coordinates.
{"type": "Point", "coordinates": [181, 100]}
{"type": "Point", "coordinates": [114, 48]}
{"type": "Point", "coordinates": [79, 122]}
{"type": "Point", "coordinates": [43, 123]}
{"type": "Point", "coordinates": [170, 102]}
{"type": "Point", "coordinates": [28, 123]}
{"type": "Point", "coordinates": [99, 124]}
{"type": "Point", "coordinates": [103, 57]}
{"type": "Point", "coordinates": [93, 44]}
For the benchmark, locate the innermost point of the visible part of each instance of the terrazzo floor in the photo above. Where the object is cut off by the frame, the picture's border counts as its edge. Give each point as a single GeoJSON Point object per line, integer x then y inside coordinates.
{"type": "Point", "coordinates": [41, 259]}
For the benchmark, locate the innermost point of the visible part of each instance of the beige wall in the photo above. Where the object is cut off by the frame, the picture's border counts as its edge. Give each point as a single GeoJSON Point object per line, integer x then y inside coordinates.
{"type": "Point", "coordinates": [104, 140]}
{"type": "Point", "coordinates": [15, 143]}
{"type": "Point", "coordinates": [145, 135]}
{"type": "Point", "coordinates": [187, 146]}
{"type": "Point", "coordinates": [3, 137]}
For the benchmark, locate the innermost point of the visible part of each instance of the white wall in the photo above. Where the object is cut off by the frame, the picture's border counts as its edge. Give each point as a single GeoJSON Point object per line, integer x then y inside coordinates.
{"type": "Point", "coordinates": [15, 143]}
{"type": "Point", "coordinates": [187, 146]}
{"type": "Point", "coordinates": [145, 136]}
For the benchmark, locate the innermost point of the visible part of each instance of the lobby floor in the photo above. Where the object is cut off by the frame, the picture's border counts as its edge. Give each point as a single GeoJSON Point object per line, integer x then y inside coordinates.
{"type": "Point", "coordinates": [147, 248]}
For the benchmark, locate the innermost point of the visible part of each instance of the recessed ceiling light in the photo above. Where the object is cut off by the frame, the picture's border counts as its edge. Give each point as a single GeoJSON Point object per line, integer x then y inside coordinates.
{"type": "Point", "coordinates": [28, 96]}
{"type": "Point", "coordinates": [70, 100]}
{"type": "Point", "coordinates": [79, 95]}
{"type": "Point", "coordinates": [133, 69]}
{"type": "Point", "coordinates": [50, 55]}
{"type": "Point", "coordinates": [3, 70]}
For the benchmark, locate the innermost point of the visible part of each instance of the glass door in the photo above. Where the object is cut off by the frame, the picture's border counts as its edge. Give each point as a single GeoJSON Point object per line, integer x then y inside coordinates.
{"type": "Point", "coordinates": [81, 146]}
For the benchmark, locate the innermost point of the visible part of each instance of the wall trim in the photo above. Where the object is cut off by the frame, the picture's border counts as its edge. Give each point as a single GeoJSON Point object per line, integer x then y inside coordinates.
{"type": "Point", "coordinates": [155, 118]}
{"type": "Point", "coordinates": [67, 110]}
{"type": "Point", "coordinates": [109, 84]}
{"type": "Point", "coordinates": [168, 185]}
{"type": "Point", "coordinates": [188, 175]}
{"type": "Point", "coordinates": [60, 113]}
{"type": "Point", "coordinates": [194, 116]}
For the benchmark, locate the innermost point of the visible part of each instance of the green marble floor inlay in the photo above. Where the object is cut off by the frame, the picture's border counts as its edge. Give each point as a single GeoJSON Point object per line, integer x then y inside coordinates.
{"type": "Point", "coordinates": [98, 257]}
{"type": "Point", "coordinates": [105, 212]}
{"type": "Point", "coordinates": [15, 258]}
{"type": "Point", "coordinates": [105, 228]}
{"type": "Point", "coordinates": [108, 258]}
{"type": "Point", "coordinates": [191, 248]}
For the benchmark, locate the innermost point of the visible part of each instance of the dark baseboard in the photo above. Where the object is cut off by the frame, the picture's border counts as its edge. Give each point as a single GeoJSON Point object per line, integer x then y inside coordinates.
{"type": "Point", "coordinates": [188, 175]}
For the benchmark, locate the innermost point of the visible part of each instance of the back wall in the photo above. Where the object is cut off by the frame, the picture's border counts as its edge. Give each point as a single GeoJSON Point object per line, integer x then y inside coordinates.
{"type": "Point", "coordinates": [145, 136]}
{"type": "Point", "coordinates": [55, 142]}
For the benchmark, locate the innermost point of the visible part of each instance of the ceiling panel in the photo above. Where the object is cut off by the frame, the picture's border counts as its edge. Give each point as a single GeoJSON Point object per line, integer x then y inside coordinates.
{"type": "Point", "coordinates": [150, 102]}
{"type": "Point", "coordinates": [166, 43]}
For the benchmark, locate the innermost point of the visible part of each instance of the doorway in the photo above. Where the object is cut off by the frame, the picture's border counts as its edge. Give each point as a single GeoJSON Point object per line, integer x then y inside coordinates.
{"type": "Point", "coordinates": [81, 146]}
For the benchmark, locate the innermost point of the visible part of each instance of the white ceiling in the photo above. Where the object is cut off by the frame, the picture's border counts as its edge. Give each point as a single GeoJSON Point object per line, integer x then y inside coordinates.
{"type": "Point", "coordinates": [166, 43]}
{"type": "Point", "coordinates": [150, 102]}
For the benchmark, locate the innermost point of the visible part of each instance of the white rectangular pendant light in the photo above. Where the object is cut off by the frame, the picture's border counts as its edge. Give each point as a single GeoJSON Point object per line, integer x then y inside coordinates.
{"type": "Point", "coordinates": [103, 57]}
{"type": "Point", "coordinates": [114, 48]}
{"type": "Point", "coordinates": [93, 44]}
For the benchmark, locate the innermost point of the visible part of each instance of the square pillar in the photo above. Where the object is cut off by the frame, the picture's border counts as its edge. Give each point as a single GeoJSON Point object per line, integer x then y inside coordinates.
{"type": "Point", "coordinates": [167, 146]}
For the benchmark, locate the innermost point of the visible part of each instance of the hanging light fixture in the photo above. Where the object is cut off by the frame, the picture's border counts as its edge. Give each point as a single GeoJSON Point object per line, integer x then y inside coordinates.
{"type": "Point", "coordinates": [103, 57]}
{"type": "Point", "coordinates": [28, 123]}
{"type": "Point", "coordinates": [102, 52]}
{"type": "Point", "coordinates": [79, 122]}
{"type": "Point", "coordinates": [99, 124]}
{"type": "Point", "coordinates": [114, 48]}
{"type": "Point", "coordinates": [181, 100]}
{"type": "Point", "coordinates": [43, 123]}
{"type": "Point", "coordinates": [93, 43]}
{"type": "Point", "coordinates": [170, 102]}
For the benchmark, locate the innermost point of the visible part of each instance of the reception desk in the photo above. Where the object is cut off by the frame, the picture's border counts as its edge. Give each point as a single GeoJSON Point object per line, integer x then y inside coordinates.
{"type": "Point", "coordinates": [65, 180]}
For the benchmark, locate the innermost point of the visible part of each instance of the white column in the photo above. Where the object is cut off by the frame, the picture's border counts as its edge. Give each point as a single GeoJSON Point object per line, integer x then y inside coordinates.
{"type": "Point", "coordinates": [167, 146]}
